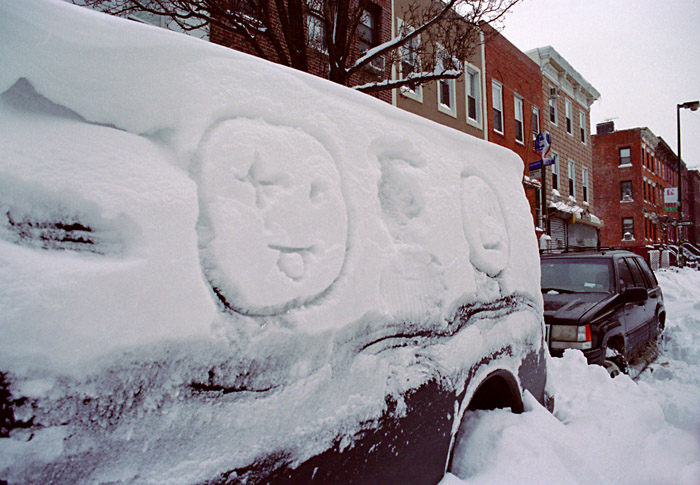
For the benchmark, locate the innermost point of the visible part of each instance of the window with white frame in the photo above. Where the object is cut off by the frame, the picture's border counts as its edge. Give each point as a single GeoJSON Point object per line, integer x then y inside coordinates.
{"type": "Point", "coordinates": [555, 172]}
{"type": "Point", "coordinates": [625, 156]}
{"type": "Point", "coordinates": [497, 95]}
{"type": "Point", "coordinates": [316, 31]}
{"type": "Point", "coordinates": [628, 228]}
{"type": "Point", "coordinates": [535, 122]}
{"type": "Point", "coordinates": [552, 108]}
{"type": "Point", "coordinates": [367, 32]}
{"type": "Point", "coordinates": [569, 116]}
{"type": "Point", "coordinates": [572, 179]}
{"type": "Point", "coordinates": [410, 64]}
{"type": "Point", "coordinates": [473, 86]}
{"type": "Point", "coordinates": [582, 125]}
{"type": "Point", "coordinates": [519, 125]}
{"type": "Point", "coordinates": [446, 87]}
{"type": "Point", "coordinates": [584, 183]}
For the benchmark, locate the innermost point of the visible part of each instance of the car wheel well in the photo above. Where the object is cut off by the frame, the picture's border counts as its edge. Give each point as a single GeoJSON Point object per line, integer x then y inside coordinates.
{"type": "Point", "coordinates": [499, 390]}
{"type": "Point", "coordinates": [616, 342]}
{"type": "Point", "coordinates": [662, 320]}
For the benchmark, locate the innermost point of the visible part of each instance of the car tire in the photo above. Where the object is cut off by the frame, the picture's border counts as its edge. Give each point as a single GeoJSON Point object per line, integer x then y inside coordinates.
{"type": "Point", "coordinates": [615, 363]}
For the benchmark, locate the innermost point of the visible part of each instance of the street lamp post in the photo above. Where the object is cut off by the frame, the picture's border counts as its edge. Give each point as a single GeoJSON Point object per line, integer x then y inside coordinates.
{"type": "Point", "coordinates": [692, 106]}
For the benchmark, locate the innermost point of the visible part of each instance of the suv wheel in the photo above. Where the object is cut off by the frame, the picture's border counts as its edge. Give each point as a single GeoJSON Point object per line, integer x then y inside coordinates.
{"type": "Point", "coordinates": [615, 363]}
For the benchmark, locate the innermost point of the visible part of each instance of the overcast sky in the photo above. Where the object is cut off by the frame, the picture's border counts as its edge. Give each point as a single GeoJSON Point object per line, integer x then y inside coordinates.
{"type": "Point", "coordinates": [643, 56]}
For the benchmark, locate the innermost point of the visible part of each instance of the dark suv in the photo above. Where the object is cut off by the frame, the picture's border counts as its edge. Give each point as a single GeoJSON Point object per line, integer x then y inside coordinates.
{"type": "Point", "coordinates": [607, 304]}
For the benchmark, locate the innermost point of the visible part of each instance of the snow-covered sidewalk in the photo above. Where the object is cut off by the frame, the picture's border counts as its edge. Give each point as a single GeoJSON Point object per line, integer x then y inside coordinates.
{"type": "Point", "coordinates": [605, 430]}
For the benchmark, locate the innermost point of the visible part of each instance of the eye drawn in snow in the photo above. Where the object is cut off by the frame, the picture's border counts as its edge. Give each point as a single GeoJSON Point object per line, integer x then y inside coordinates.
{"type": "Point", "coordinates": [400, 195]}
{"type": "Point", "coordinates": [269, 195]}
{"type": "Point", "coordinates": [36, 217]}
{"type": "Point", "coordinates": [484, 226]}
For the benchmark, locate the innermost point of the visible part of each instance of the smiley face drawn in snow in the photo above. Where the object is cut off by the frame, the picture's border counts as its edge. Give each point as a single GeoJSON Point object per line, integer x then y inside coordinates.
{"type": "Point", "coordinates": [484, 226]}
{"type": "Point", "coordinates": [270, 195]}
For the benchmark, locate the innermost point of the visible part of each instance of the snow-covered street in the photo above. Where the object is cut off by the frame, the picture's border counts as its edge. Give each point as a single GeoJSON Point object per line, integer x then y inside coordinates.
{"type": "Point", "coordinates": [606, 430]}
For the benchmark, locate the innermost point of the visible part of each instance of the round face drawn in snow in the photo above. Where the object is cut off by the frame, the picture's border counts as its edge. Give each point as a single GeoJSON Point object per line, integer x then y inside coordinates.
{"type": "Point", "coordinates": [484, 226]}
{"type": "Point", "coordinates": [269, 195]}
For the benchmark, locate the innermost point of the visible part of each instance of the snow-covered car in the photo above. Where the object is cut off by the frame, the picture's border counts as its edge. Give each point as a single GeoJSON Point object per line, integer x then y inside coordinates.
{"type": "Point", "coordinates": [214, 269]}
{"type": "Point", "coordinates": [608, 304]}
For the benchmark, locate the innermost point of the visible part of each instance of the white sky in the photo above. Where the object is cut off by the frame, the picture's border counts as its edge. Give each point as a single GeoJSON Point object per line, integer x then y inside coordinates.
{"type": "Point", "coordinates": [643, 56]}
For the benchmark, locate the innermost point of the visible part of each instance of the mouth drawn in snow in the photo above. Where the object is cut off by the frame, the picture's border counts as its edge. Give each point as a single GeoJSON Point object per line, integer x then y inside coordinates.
{"type": "Point", "coordinates": [269, 195]}
{"type": "Point", "coordinates": [484, 226]}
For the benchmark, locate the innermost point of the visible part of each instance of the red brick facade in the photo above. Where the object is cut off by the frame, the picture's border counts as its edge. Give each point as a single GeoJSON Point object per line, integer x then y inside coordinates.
{"type": "Point", "coordinates": [512, 75]}
{"type": "Point", "coordinates": [633, 167]}
{"type": "Point", "coordinates": [318, 61]}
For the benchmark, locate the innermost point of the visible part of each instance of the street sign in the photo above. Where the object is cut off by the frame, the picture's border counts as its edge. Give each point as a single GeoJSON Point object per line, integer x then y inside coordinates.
{"type": "Point", "coordinates": [671, 208]}
{"type": "Point", "coordinates": [685, 223]}
{"type": "Point", "coordinates": [671, 195]}
{"type": "Point", "coordinates": [543, 143]}
{"type": "Point", "coordinates": [535, 174]}
{"type": "Point", "coordinates": [538, 164]}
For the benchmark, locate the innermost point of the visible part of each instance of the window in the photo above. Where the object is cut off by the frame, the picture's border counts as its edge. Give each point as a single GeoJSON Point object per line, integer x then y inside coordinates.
{"type": "Point", "coordinates": [625, 156]}
{"type": "Point", "coordinates": [473, 95]}
{"type": "Point", "coordinates": [519, 127]}
{"type": "Point", "coordinates": [555, 173]}
{"type": "Point", "coordinates": [367, 30]}
{"type": "Point", "coordinates": [535, 122]}
{"type": "Point", "coordinates": [584, 183]}
{"type": "Point", "coordinates": [569, 117]}
{"type": "Point", "coordinates": [572, 178]}
{"type": "Point", "coordinates": [317, 31]}
{"type": "Point", "coordinates": [628, 228]}
{"type": "Point", "coordinates": [626, 191]}
{"type": "Point", "coordinates": [552, 109]}
{"type": "Point", "coordinates": [582, 125]}
{"type": "Point", "coordinates": [497, 93]}
{"type": "Point", "coordinates": [446, 87]}
{"type": "Point", "coordinates": [410, 64]}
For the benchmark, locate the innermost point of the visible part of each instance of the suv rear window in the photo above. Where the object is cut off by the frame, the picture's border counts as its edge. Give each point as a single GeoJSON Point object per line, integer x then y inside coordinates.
{"type": "Point", "coordinates": [576, 275]}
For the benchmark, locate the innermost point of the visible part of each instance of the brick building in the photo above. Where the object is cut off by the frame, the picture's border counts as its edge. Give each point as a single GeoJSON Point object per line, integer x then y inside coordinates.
{"type": "Point", "coordinates": [633, 167]}
{"type": "Point", "coordinates": [374, 29]}
{"type": "Point", "coordinates": [514, 104]}
{"type": "Point", "coordinates": [692, 210]}
{"type": "Point", "coordinates": [457, 103]}
{"type": "Point", "coordinates": [570, 217]}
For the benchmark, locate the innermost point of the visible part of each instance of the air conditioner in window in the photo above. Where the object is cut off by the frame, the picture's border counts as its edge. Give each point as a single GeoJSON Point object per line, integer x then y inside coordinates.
{"type": "Point", "coordinates": [377, 65]}
{"type": "Point", "coordinates": [553, 92]}
{"type": "Point", "coordinates": [626, 198]}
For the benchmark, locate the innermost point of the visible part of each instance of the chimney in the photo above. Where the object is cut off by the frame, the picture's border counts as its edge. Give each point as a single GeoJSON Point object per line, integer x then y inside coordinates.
{"type": "Point", "coordinates": [605, 128]}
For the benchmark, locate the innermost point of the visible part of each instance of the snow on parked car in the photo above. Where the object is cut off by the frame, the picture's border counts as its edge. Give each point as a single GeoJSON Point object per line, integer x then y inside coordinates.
{"type": "Point", "coordinates": [218, 269]}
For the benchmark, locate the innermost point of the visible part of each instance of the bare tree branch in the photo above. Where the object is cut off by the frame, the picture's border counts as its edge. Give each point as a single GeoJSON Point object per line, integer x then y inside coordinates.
{"type": "Point", "coordinates": [438, 34]}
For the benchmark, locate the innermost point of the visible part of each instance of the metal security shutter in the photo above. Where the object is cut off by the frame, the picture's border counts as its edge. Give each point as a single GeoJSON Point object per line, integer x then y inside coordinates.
{"type": "Point", "coordinates": [557, 228]}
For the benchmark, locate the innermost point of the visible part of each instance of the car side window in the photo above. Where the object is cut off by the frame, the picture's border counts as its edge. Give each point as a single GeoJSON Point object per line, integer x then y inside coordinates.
{"type": "Point", "coordinates": [648, 273]}
{"type": "Point", "coordinates": [626, 280]}
{"type": "Point", "coordinates": [636, 273]}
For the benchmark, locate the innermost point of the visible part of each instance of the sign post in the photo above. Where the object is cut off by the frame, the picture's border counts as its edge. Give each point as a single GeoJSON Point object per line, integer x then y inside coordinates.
{"type": "Point", "coordinates": [543, 144]}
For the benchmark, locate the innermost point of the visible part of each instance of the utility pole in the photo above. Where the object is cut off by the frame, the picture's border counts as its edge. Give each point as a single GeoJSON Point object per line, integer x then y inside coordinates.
{"type": "Point", "coordinates": [692, 106]}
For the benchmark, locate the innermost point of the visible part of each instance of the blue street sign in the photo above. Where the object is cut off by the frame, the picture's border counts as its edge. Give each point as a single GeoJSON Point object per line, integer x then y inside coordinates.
{"type": "Point", "coordinates": [538, 163]}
